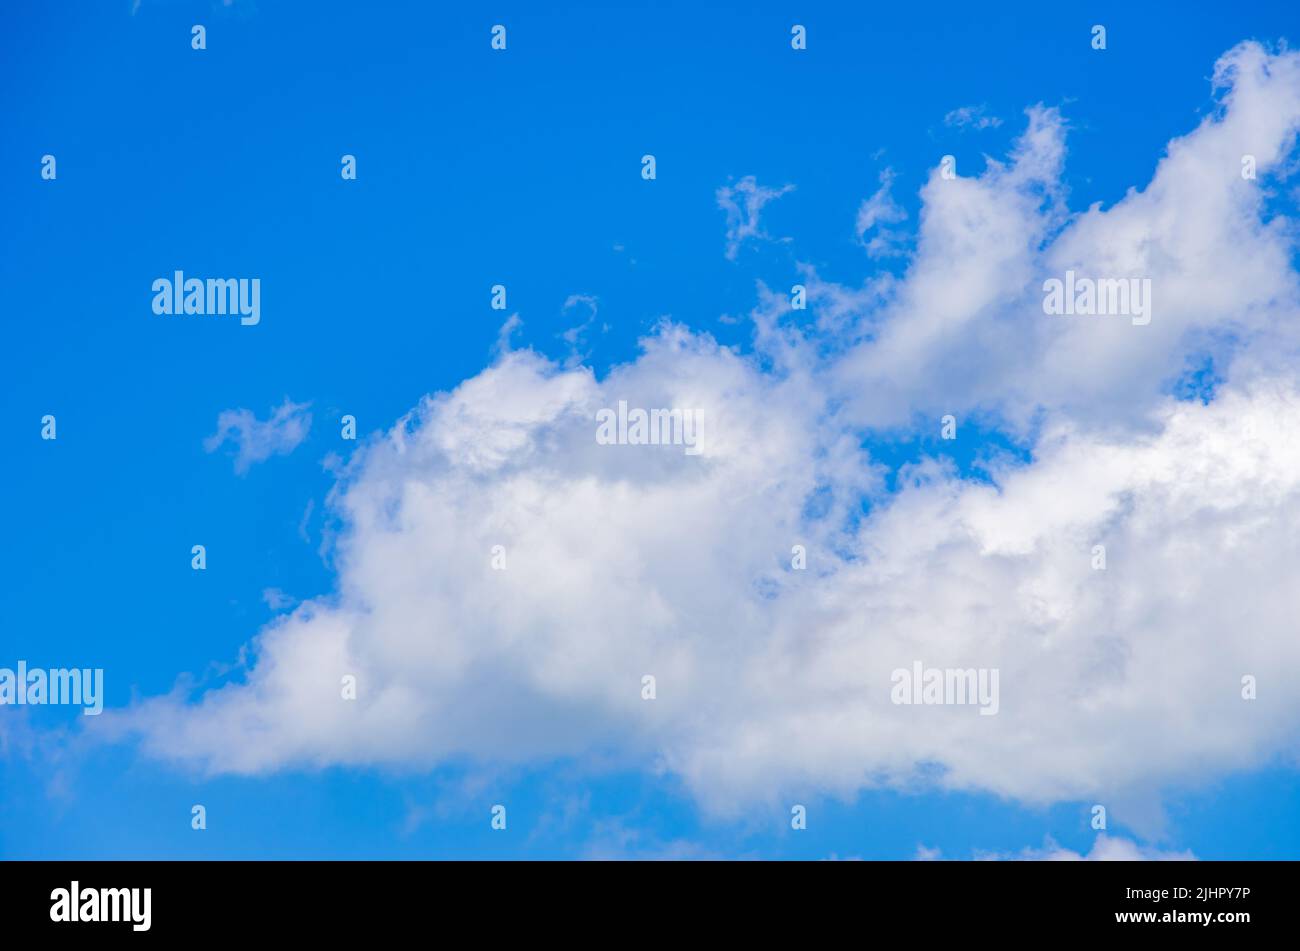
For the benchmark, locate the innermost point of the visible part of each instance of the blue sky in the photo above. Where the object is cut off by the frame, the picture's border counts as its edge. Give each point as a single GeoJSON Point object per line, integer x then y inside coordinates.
{"type": "Point", "coordinates": [478, 167]}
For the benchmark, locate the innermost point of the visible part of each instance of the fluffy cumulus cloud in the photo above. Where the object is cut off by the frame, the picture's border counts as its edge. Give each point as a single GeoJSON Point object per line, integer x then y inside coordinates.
{"type": "Point", "coordinates": [255, 440]}
{"type": "Point", "coordinates": [619, 561]}
{"type": "Point", "coordinates": [967, 327]}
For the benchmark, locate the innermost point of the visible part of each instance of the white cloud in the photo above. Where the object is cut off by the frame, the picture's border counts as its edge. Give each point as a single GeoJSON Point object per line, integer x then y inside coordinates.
{"type": "Point", "coordinates": [614, 840]}
{"type": "Point", "coordinates": [256, 441]}
{"type": "Point", "coordinates": [743, 202]}
{"type": "Point", "coordinates": [575, 305]}
{"type": "Point", "coordinates": [632, 560]}
{"type": "Point", "coordinates": [875, 212]}
{"type": "Point", "coordinates": [965, 327]}
{"type": "Point", "coordinates": [277, 600]}
{"type": "Point", "coordinates": [971, 117]}
{"type": "Point", "coordinates": [1105, 849]}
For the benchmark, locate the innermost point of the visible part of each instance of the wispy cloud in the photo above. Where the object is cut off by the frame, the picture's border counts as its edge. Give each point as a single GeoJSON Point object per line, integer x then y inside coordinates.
{"type": "Point", "coordinates": [875, 214]}
{"type": "Point", "coordinates": [1105, 849]}
{"type": "Point", "coordinates": [577, 305]}
{"type": "Point", "coordinates": [277, 600]}
{"type": "Point", "coordinates": [971, 117]}
{"type": "Point", "coordinates": [256, 440]}
{"type": "Point", "coordinates": [743, 202]}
